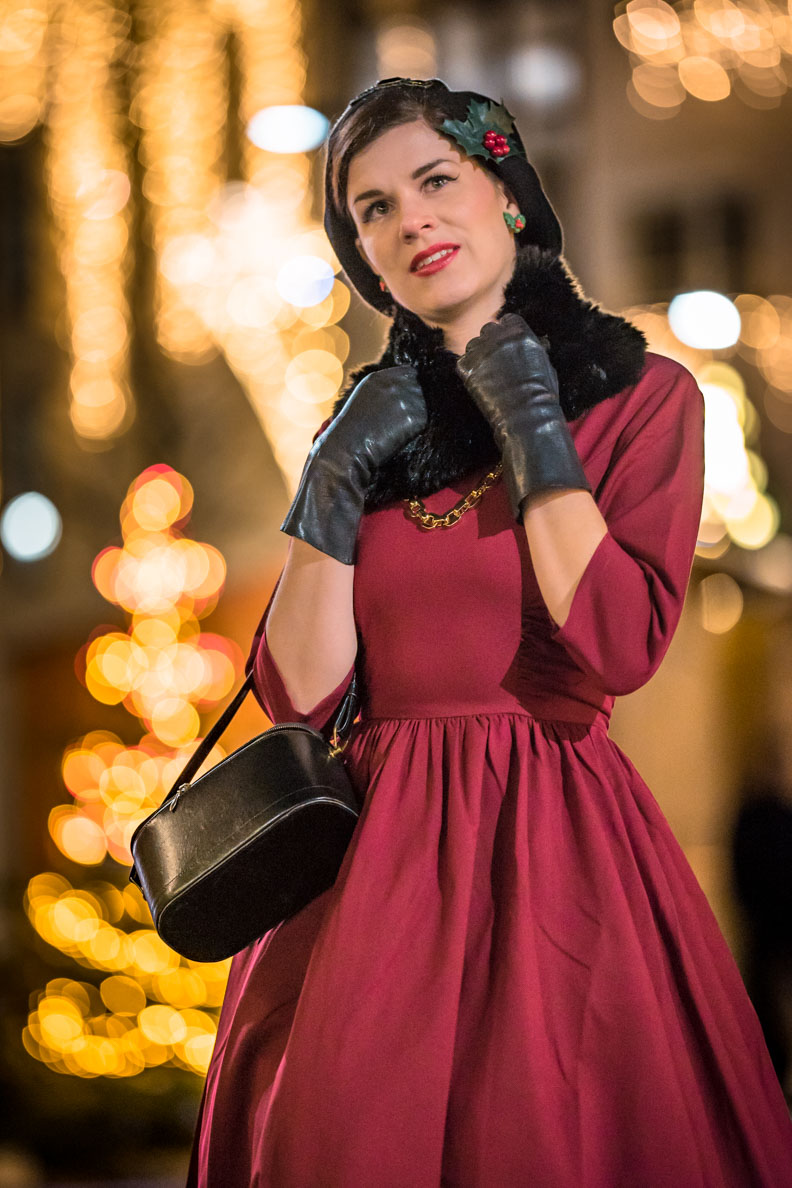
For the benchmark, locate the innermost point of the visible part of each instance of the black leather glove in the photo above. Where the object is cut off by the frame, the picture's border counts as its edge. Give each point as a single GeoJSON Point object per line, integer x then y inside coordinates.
{"type": "Point", "coordinates": [510, 377]}
{"type": "Point", "coordinates": [383, 413]}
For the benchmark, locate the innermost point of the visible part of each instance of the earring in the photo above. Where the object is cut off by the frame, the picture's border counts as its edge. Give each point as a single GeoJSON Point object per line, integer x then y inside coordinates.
{"type": "Point", "coordinates": [516, 222]}
{"type": "Point", "coordinates": [382, 284]}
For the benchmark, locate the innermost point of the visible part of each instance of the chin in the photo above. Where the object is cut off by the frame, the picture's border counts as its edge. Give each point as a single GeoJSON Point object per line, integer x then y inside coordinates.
{"type": "Point", "coordinates": [449, 303]}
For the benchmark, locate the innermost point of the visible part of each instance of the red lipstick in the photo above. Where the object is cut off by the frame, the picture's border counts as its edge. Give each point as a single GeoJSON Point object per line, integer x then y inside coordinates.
{"type": "Point", "coordinates": [450, 249]}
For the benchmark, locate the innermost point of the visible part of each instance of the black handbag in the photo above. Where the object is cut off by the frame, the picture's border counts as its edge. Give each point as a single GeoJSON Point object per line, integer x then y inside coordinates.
{"type": "Point", "coordinates": [253, 840]}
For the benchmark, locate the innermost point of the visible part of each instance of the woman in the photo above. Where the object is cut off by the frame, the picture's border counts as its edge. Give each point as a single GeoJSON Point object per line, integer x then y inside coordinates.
{"type": "Point", "coordinates": [516, 978]}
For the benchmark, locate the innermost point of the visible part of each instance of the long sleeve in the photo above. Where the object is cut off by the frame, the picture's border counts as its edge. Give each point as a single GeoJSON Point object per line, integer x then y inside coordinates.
{"type": "Point", "coordinates": [629, 599]}
{"type": "Point", "coordinates": [269, 688]}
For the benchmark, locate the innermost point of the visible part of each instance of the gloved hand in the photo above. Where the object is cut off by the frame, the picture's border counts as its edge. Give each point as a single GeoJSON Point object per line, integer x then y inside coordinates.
{"type": "Point", "coordinates": [510, 377]}
{"type": "Point", "coordinates": [385, 411]}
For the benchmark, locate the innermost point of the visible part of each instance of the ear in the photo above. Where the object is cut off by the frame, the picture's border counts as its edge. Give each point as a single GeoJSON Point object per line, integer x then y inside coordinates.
{"type": "Point", "coordinates": [510, 204]}
{"type": "Point", "coordinates": [363, 255]}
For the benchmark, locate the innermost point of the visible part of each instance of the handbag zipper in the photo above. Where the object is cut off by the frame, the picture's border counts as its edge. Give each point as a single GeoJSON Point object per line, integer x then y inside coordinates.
{"type": "Point", "coordinates": [173, 801]}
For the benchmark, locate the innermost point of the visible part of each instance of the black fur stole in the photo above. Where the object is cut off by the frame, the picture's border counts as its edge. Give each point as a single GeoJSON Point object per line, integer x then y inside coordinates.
{"type": "Point", "coordinates": [596, 354]}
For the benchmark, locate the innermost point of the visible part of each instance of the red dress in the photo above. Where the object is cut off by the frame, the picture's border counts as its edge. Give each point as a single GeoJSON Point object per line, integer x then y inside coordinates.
{"type": "Point", "coordinates": [516, 978]}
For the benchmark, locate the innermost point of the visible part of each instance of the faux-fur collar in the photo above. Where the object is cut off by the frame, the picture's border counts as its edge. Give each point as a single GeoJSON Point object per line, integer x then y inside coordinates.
{"type": "Point", "coordinates": [595, 353]}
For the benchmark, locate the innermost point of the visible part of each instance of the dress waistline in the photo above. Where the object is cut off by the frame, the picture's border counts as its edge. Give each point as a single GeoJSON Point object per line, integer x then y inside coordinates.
{"type": "Point", "coordinates": [555, 727]}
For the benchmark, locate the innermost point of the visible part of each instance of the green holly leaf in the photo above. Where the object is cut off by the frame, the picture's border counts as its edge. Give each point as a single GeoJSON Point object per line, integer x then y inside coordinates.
{"type": "Point", "coordinates": [468, 138]}
{"type": "Point", "coordinates": [481, 117]}
{"type": "Point", "coordinates": [501, 119]}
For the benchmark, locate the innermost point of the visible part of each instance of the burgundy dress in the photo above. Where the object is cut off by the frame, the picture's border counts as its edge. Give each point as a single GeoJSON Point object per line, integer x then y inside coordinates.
{"type": "Point", "coordinates": [516, 978]}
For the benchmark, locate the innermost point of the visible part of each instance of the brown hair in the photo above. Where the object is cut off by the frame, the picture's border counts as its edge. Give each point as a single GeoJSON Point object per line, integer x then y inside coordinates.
{"type": "Point", "coordinates": [357, 128]}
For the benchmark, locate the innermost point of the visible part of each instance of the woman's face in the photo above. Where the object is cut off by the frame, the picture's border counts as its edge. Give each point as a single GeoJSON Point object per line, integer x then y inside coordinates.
{"type": "Point", "coordinates": [413, 194]}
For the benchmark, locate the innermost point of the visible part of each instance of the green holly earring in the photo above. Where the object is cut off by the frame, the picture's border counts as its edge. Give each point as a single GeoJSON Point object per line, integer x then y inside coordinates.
{"type": "Point", "coordinates": [516, 222]}
{"type": "Point", "coordinates": [382, 284]}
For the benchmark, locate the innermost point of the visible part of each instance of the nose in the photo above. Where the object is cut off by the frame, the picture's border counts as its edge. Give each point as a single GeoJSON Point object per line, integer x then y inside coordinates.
{"type": "Point", "coordinates": [415, 218]}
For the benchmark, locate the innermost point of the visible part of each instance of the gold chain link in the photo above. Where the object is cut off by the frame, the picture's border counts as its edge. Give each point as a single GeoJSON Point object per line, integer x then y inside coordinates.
{"type": "Point", "coordinates": [418, 512]}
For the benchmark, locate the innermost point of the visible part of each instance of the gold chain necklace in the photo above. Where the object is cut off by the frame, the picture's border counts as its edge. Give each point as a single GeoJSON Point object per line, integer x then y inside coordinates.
{"type": "Point", "coordinates": [416, 509]}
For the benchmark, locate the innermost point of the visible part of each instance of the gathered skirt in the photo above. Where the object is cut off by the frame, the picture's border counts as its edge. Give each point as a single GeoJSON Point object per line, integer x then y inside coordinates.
{"type": "Point", "coordinates": [516, 979]}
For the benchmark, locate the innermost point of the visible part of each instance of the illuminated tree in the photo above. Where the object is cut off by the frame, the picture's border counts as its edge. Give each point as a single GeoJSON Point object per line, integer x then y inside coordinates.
{"type": "Point", "coordinates": [143, 1006]}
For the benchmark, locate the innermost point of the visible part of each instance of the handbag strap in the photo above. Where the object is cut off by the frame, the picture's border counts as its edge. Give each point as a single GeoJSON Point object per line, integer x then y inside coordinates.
{"type": "Point", "coordinates": [342, 724]}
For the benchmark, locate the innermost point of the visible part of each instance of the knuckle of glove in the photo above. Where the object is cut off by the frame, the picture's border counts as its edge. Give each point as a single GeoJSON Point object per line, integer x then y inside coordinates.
{"type": "Point", "coordinates": [414, 416]}
{"type": "Point", "coordinates": [394, 410]}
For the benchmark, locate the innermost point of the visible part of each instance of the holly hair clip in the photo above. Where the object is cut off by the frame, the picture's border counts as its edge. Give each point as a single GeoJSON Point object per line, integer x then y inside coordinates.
{"type": "Point", "coordinates": [487, 132]}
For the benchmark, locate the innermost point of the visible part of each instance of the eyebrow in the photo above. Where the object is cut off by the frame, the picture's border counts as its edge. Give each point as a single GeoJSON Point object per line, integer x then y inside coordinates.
{"type": "Point", "coordinates": [415, 175]}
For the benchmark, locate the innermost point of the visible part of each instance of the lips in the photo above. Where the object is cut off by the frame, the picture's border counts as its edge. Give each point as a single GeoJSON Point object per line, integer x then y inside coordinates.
{"type": "Point", "coordinates": [420, 262]}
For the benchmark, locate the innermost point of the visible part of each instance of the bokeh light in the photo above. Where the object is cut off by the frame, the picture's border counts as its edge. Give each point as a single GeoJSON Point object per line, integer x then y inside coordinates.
{"type": "Point", "coordinates": [23, 64]}
{"type": "Point", "coordinates": [88, 167]}
{"type": "Point", "coordinates": [737, 509]}
{"type": "Point", "coordinates": [30, 526]}
{"type": "Point", "coordinates": [150, 1007]}
{"type": "Point", "coordinates": [545, 75]}
{"type": "Point", "coordinates": [720, 602]}
{"type": "Point", "coordinates": [708, 49]}
{"type": "Point", "coordinates": [288, 128]}
{"type": "Point", "coordinates": [704, 319]}
{"type": "Point", "coordinates": [305, 280]}
{"type": "Point", "coordinates": [405, 47]}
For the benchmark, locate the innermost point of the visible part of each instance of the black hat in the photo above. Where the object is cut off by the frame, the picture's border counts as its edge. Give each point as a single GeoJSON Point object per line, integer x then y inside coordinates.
{"type": "Point", "coordinates": [474, 118]}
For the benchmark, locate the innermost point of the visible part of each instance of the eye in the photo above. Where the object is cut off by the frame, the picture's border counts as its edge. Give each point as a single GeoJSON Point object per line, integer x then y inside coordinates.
{"type": "Point", "coordinates": [439, 177]}
{"type": "Point", "coordinates": [372, 210]}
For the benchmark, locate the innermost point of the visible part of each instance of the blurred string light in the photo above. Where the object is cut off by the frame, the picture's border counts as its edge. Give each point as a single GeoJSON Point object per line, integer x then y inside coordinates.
{"type": "Point", "coordinates": [23, 64]}
{"type": "Point", "coordinates": [87, 173]}
{"type": "Point", "coordinates": [30, 526]}
{"type": "Point", "coordinates": [241, 265]}
{"type": "Point", "coordinates": [737, 508]}
{"type": "Point", "coordinates": [180, 104]}
{"type": "Point", "coordinates": [151, 1007]}
{"type": "Point", "coordinates": [264, 224]}
{"type": "Point", "coordinates": [707, 49]}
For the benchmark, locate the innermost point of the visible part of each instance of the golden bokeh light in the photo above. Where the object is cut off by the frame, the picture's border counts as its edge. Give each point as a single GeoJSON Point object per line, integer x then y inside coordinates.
{"type": "Point", "coordinates": [162, 1025]}
{"type": "Point", "coordinates": [112, 1029]}
{"type": "Point", "coordinates": [151, 1007]}
{"type": "Point", "coordinates": [704, 78]}
{"type": "Point", "coordinates": [720, 601]}
{"type": "Point", "coordinates": [220, 244]}
{"type": "Point", "coordinates": [23, 65]}
{"type": "Point", "coordinates": [704, 48]}
{"type": "Point", "coordinates": [180, 105]}
{"type": "Point", "coordinates": [77, 836]}
{"type": "Point", "coordinates": [218, 247]}
{"type": "Point", "coordinates": [659, 85]}
{"type": "Point", "coordinates": [88, 167]}
{"type": "Point", "coordinates": [736, 508]}
{"type": "Point", "coordinates": [180, 987]}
